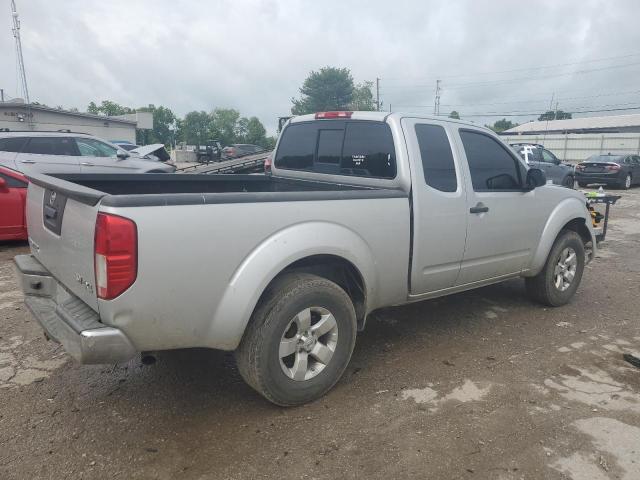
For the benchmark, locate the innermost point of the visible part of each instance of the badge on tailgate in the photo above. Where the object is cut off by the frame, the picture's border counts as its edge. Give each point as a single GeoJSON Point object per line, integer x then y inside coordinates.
{"type": "Point", "coordinates": [53, 210]}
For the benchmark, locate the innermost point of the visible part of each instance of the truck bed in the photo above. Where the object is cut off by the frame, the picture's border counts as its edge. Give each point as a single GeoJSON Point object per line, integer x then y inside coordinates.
{"type": "Point", "coordinates": [134, 190]}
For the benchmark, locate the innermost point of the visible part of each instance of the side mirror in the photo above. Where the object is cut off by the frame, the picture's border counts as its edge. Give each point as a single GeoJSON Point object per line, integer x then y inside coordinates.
{"type": "Point", "coordinates": [122, 155]}
{"type": "Point", "coordinates": [535, 178]}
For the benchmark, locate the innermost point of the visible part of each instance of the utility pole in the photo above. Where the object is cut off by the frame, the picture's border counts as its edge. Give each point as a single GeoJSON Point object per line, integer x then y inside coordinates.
{"type": "Point", "coordinates": [436, 103]}
{"type": "Point", "coordinates": [16, 34]}
{"type": "Point", "coordinates": [377, 94]}
{"type": "Point", "coordinates": [2, 95]}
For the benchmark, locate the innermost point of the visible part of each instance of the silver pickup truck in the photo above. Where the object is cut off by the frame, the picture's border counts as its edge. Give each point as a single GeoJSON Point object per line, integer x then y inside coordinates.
{"type": "Point", "coordinates": [362, 210]}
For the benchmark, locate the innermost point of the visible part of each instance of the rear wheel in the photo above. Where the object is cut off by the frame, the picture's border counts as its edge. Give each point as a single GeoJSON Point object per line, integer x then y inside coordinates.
{"type": "Point", "coordinates": [299, 340]}
{"type": "Point", "coordinates": [626, 183]}
{"type": "Point", "coordinates": [562, 272]}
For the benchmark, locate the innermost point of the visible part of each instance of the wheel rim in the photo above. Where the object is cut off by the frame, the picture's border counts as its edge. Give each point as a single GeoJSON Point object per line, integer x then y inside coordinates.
{"type": "Point", "coordinates": [565, 270]}
{"type": "Point", "coordinates": [308, 343]}
{"type": "Point", "coordinates": [627, 181]}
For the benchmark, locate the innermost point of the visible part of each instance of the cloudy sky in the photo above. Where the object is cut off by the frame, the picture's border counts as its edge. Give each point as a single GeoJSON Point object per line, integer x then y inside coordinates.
{"type": "Point", "coordinates": [494, 58]}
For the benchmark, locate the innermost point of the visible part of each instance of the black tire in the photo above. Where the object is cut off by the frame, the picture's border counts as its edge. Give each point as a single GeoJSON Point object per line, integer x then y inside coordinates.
{"type": "Point", "coordinates": [258, 356]}
{"type": "Point", "coordinates": [568, 181]}
{"type": "Point", "coordinates": [627, 182]}
{"type": "Point", "coordinates": [542, 288]}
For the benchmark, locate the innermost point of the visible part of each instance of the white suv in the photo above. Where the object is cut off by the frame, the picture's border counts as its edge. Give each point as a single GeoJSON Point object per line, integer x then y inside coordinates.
{"type": "Point", "coordinates": [67, 152]}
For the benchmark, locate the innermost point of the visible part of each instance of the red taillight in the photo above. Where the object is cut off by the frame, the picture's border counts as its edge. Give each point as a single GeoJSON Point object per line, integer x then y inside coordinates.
{"type": "Point", "coordinates": [325, 115]}
{"type": "Point", "coordinates": [613, 168]}
{"type": "Point", "coordinates": [116, 255]}
{"type": "Point", "coordinates": [267, 164]}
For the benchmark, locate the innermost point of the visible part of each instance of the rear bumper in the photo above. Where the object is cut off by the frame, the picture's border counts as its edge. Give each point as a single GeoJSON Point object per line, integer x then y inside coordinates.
{"type": "Point", "coordinates": [68, 320]}
{"type": "Point", "coordinates": [598, 178]}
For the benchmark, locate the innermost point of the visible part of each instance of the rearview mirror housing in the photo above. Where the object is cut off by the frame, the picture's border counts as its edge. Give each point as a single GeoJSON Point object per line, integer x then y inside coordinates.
{"type": "Point", "coordinates": [535, 178]}
{"type": "Point", "coordinates": [122, 155]}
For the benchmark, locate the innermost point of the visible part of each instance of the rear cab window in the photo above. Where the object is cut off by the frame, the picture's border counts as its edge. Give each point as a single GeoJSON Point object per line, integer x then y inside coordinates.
{"type": "Point", "coordinates": [360, 148]}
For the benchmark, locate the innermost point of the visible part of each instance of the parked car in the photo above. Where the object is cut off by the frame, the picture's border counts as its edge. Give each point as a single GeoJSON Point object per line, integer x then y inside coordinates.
{"type": "Point", "coordinates": [155, 151]}
{"type": "Point", "coordinates": [65, 152]}
{"type": "Point", "coordinates": [209, 152]}
{"type": "Point", "coordinates": [241, 149]}
{"type": "Point", "coordinates": [539, 157]}
{"type": "Point", "coordinates": [363, 210]}
{"type": "Point", "coordinates": [613, 170]}
{"type": "Point", "coordinates": [13, 195]}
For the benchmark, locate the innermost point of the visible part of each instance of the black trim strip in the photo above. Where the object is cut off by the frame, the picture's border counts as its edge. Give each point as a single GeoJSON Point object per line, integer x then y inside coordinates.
{"type": "Point", "coordinates": [154, 200]}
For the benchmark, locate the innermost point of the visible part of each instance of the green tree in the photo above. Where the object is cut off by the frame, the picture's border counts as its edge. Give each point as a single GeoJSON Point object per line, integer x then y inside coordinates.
{"type": "Point", "coordinates": [327, 89]}
{"type": "Point", "coordinates": [455, 115]}
{"type": "Point", "coordinates": [93, 108]}
{"type": "Point", "coordinates": [107, 107]}
{"type": "Point", "coordinates": [502, 125]}
{"type": "Point", "coordinates": [256, 134]}
{"type": "Point", "coordinates": [225, 124]}
{"type": "Point", "coordinates": [554, 115]}
{"type": "Point", "coordinates": [196, 128]}
{"type": "Point", "coordinates": [362, 97]}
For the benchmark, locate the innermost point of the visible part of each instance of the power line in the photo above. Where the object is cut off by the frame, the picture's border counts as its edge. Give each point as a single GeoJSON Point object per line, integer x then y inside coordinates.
{"type": "Point", "coordinates": [518, 79]}
{"type": "Point", "coordinates": [496, 114]}
{"type": "Point", "coordinates": [537, 67]}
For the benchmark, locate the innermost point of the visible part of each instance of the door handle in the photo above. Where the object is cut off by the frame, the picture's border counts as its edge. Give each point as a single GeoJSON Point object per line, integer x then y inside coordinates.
{"type": "Point", "coordinates": [479, 208]}
{"type": "Point", "coordinates": [28, 161]}
{"type": "Point", "coordinates": [87, 164]}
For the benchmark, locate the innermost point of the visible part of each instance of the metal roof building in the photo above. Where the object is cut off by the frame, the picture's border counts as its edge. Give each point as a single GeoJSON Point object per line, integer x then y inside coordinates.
{"type": "Point", "coordinates": [20, 116]}
{"type": "Point", "coordinates": [610, 124]}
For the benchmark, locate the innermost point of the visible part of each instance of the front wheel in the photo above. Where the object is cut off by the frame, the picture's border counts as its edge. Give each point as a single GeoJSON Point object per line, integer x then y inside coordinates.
{"type": "Point", "coordinates": [568, 182]}
{"type": "Point", "coordinates": [558, 281]}
{"type": "Point", "coordinates": [299, 340]}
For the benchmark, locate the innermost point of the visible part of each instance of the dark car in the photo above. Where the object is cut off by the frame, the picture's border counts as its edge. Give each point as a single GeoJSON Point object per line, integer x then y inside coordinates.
{"type": "Point", "coordinates": [211, 151]}
{"type": "Point", "coordinates": [613, 170]}
{"type": "Point", "coordinates": [537, 156]}
{"type": "Point", "coordinates": [241, 149]}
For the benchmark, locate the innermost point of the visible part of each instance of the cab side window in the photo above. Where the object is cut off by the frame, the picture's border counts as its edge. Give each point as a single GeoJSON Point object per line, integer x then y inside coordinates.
{"type": "Point", "coordinates": [492, 167]}
{"type": "Point", "coordinates": [437, 158]}
{"type": "Point", "coordinates": [548, 157]}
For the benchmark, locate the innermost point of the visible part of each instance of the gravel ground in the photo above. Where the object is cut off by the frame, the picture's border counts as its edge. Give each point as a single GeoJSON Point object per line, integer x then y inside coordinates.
{"type": "Point", "coordinates": [480, 385]}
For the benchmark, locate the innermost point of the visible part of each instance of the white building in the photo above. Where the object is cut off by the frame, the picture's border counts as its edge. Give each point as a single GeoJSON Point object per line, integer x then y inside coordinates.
{"type": "Point", "coordinates": [610, 124]}
{"type": "Point", "coordinates": [19, 116]}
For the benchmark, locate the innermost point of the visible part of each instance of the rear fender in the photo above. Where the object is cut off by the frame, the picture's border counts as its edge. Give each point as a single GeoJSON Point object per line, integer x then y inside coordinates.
{"type": "Point", "coordinates": [567, 210]}
{"type": "Point", "coordinates": [270, 258]}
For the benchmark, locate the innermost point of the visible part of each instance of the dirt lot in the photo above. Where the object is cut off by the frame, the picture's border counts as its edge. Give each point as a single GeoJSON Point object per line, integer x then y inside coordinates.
{"type": "Point", "coordinates": [477, 385]}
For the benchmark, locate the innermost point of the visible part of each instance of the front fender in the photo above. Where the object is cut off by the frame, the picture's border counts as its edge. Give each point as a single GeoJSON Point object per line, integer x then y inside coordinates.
{"type": "Point", "coordinates": [270, 258]}
{"type": "Point", "coordinates": [565, 211]}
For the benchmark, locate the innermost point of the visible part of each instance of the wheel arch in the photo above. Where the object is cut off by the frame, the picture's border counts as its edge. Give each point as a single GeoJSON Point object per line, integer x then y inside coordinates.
{"type": "Point", "coordinates": [325, 249]}
{"type": "Point", "coordinates": [570, 214]}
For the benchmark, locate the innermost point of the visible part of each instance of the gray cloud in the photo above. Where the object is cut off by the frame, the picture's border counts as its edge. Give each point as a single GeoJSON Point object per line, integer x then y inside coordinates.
{"type": "Point", "coordinates": [253, 55]}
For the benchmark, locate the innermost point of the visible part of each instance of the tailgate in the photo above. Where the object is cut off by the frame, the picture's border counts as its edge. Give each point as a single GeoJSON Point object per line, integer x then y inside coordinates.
{"type": "Point", "coordinates": [61, 226]}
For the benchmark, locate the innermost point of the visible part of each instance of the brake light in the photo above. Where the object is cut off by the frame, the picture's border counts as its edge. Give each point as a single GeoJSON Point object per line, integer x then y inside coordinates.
{"type": "Point", "coordinates": [116, 255]}
{"type": "Point", "coordinates": [267, 164]}
{"type": "Point", "coordinates": [326, 115]}
{"type": "Point", "coordinates": [613, 168]}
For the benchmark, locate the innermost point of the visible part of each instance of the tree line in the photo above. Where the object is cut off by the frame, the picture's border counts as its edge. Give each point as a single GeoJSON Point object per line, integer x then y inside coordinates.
{"type": "Point", "coordinates": [196, 128]}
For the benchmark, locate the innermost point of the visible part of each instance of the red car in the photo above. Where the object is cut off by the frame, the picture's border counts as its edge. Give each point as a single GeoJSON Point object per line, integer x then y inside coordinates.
{"type": "Point", "coordinates": [13, 196]}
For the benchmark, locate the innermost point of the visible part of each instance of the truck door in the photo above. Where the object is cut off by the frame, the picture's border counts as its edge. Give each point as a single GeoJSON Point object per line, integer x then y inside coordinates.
{"type": "Point", "coordinates": [438, 206]}
{"type": "Point", "coordinates": [503, 219]}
